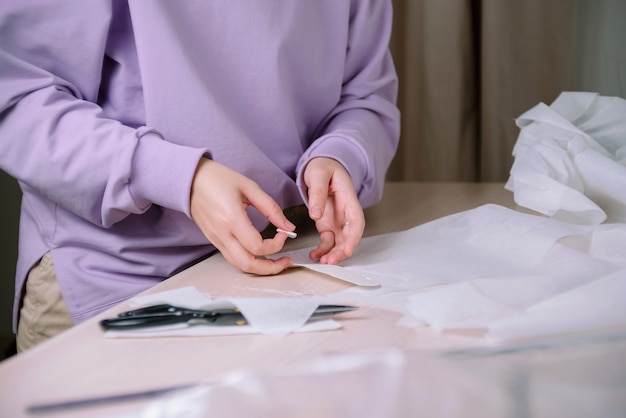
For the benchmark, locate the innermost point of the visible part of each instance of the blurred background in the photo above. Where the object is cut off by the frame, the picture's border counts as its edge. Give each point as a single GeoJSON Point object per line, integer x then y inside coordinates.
{"type": "Point", "coordinates": [467, 69]}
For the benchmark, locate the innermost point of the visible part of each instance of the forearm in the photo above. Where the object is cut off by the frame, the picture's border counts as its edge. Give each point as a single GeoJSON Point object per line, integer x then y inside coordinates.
{"type": "Point", "coordinates": [95, 167]}
{"type": "Point", "coordinates": [55, 136]}
{"type": "Point", "coordinates": [363, 130]}
{"type": "Point", "coordinates": [364, 144]}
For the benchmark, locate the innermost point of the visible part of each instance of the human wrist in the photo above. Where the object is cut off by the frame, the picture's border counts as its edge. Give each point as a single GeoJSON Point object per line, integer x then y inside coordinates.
{"type": "Point", "coordinates": [162, 173]}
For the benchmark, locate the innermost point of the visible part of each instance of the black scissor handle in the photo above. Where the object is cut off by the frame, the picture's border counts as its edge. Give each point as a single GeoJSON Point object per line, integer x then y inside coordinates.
{"type": "Point", "coordinates": [142, 321]}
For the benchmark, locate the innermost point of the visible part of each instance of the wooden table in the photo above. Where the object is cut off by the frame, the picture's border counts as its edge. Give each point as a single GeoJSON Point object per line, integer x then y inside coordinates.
{"type": "Point", "coordinates": [81, 363]}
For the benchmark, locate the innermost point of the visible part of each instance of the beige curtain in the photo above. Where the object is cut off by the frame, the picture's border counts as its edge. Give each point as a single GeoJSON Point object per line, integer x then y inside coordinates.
{"type": "Point", "coordinates": [467, 69]}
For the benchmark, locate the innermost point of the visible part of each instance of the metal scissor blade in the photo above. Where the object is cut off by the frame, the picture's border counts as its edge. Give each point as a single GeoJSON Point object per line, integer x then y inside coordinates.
{"type": "Point", "coordinates": [327, 310]}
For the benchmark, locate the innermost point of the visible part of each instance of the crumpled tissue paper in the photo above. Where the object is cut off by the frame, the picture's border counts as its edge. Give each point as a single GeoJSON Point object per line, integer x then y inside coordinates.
{"type": "Point", "coordinates": [570, 159]}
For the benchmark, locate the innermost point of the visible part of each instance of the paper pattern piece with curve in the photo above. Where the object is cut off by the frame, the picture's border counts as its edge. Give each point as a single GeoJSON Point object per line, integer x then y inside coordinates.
{"type": "Point", "coordinates": [510, 274]}
{"type": "Point", "coordinates": [487, 241]}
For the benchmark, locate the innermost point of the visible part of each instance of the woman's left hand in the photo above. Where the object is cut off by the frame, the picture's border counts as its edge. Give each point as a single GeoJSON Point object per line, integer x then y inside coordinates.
{"type": "Point", "coordinates": [335, 208]}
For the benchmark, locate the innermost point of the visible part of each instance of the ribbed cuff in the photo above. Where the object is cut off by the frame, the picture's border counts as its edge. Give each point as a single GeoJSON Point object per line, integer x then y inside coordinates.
{"type": "Point", "coordinates": [341, 148]}
{"type": "Point", "coordinates": [162, 172]}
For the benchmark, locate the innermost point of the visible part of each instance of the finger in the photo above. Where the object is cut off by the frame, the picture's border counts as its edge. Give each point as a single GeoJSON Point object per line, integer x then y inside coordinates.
{"type": "Point", "coordinates": [346, 236]}
{"type": "Point", "coordinates": [240, 243]}
{"type": "Point", "coordinates": [251, 240]}
{"type": "Point", "coordinates": [266, 266]}
{"type": "Point", "coordinates": [318, 186]}
{"type": "Point", "coordinates": [346, 242]}
{"type": "Point", "coordinates": [352, 230]}
{"type": "Point", "coordinates": [327, 242]}
{"type": "Point", "coordinates": [335, 256]}
{"type": "Point", "coordinates": [267, 206]}
{"type": "Point", "coordinates": [238, 256]}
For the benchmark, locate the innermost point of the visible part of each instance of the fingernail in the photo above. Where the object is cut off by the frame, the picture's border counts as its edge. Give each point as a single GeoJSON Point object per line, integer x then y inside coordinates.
{"type": "Point", "coordinates": [316, 213]}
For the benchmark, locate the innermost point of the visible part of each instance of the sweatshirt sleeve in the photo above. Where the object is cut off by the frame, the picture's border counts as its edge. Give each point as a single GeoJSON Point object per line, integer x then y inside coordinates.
{"type": "Point", "coordinates": [363, 130]}
{"type": "Point", "coordinates": [56, 140]}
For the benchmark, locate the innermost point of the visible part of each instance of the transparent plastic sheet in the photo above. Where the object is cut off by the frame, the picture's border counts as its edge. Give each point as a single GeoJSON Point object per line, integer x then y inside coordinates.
{"type": "Point", "coordinates": [580, 377]}
{"type": "Point", "coordinates": [387, 384]}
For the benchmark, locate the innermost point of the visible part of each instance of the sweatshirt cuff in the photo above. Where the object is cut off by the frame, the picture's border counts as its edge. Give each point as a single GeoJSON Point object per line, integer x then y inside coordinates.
{"type": "Point", "coordinates": [162, 172]}
{"type": "Point", "coordinates": [341, 148]}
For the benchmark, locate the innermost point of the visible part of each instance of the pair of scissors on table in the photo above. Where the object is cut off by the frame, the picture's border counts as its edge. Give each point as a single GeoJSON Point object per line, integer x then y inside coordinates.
{"type": "Point", "coordinates": [165, 314]}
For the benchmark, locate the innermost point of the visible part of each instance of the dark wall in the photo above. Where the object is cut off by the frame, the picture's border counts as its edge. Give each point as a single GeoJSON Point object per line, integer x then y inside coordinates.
{"type": "Point", "coordinates": [9, 219]}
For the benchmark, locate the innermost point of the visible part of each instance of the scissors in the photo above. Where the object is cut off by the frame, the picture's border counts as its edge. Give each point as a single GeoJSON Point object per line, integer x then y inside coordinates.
{"type": "Point", "coordinates": [165, 314]}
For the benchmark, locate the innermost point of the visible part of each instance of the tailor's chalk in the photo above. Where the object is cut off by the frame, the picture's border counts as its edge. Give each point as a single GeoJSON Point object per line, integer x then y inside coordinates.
{"type": "Point", "coordinates": [289, 234]}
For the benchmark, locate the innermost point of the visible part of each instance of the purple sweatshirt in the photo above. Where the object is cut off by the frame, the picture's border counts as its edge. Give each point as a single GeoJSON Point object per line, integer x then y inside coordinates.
{"type": "Point", "coordinates": [107, 107]}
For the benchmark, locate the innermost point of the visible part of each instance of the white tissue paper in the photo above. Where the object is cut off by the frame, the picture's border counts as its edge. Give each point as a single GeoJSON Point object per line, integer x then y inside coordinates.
{"type": "Point", "coordinates": [570, 164]}
{"type": "Point", "coordinates": [490, 240]}
{"type": "Point", "coordinates": [269, 316]}
{"type": "Point", "coordinates": [508, 274]}
{"type": "Point", "coordinates": [570, 159]}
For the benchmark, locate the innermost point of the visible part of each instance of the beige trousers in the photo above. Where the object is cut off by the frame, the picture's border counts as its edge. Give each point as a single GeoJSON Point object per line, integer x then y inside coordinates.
{"type": "Point", "coordinates": [43, 314]}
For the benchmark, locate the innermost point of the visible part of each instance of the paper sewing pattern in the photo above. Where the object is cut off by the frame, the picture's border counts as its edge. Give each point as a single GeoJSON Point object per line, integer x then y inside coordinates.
{"type": "Point", "coordinates": [509, 274]}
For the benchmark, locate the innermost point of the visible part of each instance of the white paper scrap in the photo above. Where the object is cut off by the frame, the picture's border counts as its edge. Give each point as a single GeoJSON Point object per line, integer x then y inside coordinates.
{"type": "Point", "coordinates": [490, 240]}
{"type": "Point", "coordinates": [595, 306]}
{"type": "Point", "coordinates": [269, 316]}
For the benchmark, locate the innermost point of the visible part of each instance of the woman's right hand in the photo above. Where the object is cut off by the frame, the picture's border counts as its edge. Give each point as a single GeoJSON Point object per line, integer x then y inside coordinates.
{"type": "Point", "coordinates": [219, 198]}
